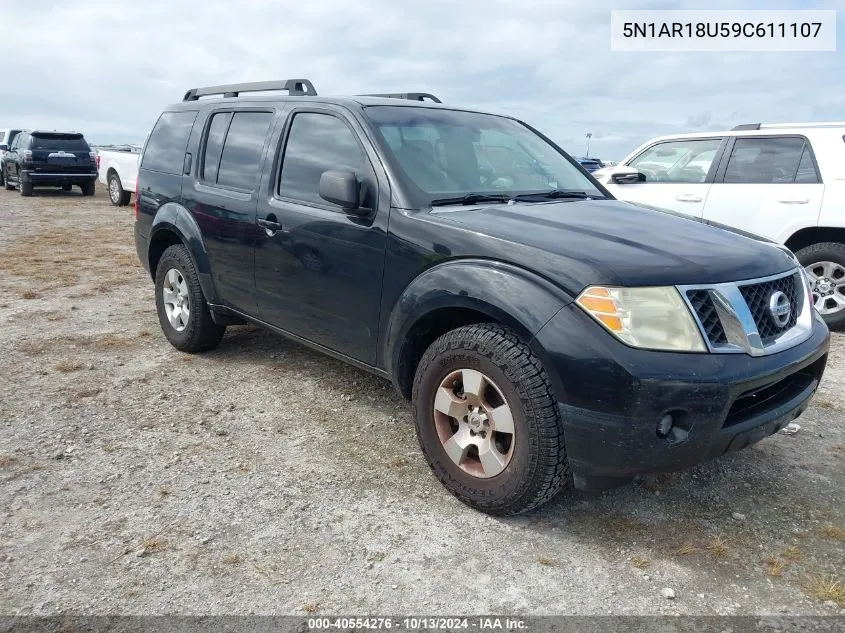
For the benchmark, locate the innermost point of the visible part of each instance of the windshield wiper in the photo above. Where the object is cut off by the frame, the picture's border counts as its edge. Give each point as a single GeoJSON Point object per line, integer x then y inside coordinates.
{"type": "Point", "coordinates": [557, 193]}
{"type": "Point", "coordinates": [471, 198]}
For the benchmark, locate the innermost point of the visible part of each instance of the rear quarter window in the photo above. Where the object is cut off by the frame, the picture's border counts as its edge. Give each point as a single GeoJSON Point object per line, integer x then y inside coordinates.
{"type": "Point", "coordinates": [165, 150]}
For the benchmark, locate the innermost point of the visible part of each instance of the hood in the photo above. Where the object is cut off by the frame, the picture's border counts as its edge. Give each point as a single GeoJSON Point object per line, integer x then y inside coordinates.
{"type": "Point", "coordinates": [585, 242]}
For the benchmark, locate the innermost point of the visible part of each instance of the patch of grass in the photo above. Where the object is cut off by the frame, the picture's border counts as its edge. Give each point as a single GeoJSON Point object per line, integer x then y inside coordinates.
{"type": "Point", "coordinates": [66, 366]}
{"type": "Point", "coordinates": [311, 607]}
{"type": "Point", "coordinates": [834, 532]}
{"type": "Point", "coordinates": [827, 587]}
{"type": "Point", "coordinates": [152, 544]}
{"type": "Point", "coordinates": [774, 567]}
{"type": "Point", "coordinates": [640, 562]}
{"type": "Point", "coordinates": [33, 348]}
{"type": "Point", "coordinates": [791, 553]}
{"type": "Point", "coordinates": [398, 462]}
{"type": "Point", "coordinates": [718, 547]}
{"type": "Point", "coordinates": [163, 491]}
{"type": "Point", "coordinates": [55, 316]}
{"type": "Point", "coordinates": [7, 461]}
{"type": "Point", "coordinates": [29, 294]}
{"type": "Point", "coordinates": [823, 403]}
{"type": "Point", "coordinates": [89, 392]}
{"type": "Point", "coordinates": [545, 561]}
{"type": "Point", "coordinates": [233, 559]}
{"type": "Point", "coordinates": [686, 549]}
{"type": "Point", "coordinates": [144, 333]}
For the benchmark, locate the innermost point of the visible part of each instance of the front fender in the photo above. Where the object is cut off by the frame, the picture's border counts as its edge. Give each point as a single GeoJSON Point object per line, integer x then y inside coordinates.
{"type": "Point", "coordinates": [174, 218]}
{"type": "Point", "coordinates": [505, 293]}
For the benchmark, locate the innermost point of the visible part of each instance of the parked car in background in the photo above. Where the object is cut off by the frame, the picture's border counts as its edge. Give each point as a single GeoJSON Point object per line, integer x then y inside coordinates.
{"type": "Point", "coordinates": [590, 164]}
{"type": "Point", "coordinates": [49, 159]}
{"type": "Point", "coordinates": [118, 170]}
{"type": "Point", "coordinates": [785, 182]}
{"type": "Point", "coordinates": [545, 333]}
{"type": "Point", "coordinates": [7, 137]}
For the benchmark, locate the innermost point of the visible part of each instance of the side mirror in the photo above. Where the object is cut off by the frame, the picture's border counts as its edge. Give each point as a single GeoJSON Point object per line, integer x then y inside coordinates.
{"type": "Point", "coordinates": [627, 176]}
{"type": "Point", "coordinates": [4, 147]}
{"type": "Point", "coordinates": [340, 187]}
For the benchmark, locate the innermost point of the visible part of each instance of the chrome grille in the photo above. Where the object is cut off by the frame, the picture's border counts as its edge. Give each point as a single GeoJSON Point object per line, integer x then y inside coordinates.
{"type": "Point", "coordinates": [703, 306]}
{"type": "Point", "coordinates": [736, 318]}
{"type": "Point", "coordinates": [757, 297]}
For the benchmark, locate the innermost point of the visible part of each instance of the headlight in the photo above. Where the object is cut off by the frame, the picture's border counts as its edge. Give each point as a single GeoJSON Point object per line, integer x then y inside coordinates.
{"type": "Point", "coordinates": [650, 318]}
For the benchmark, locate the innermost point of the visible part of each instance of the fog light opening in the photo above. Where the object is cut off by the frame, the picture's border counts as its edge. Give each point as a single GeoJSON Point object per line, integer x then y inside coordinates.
{"type": "Point", "coordinates": [664, 427]}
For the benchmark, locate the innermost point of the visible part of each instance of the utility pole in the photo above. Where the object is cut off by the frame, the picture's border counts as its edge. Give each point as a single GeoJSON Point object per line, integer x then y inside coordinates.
{"type": "Point", "coordinates": [589, 136]}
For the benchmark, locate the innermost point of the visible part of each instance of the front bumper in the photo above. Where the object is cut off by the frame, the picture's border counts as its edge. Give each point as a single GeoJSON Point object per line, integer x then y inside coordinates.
{"type": "Point", "coordinates": [612, 398]}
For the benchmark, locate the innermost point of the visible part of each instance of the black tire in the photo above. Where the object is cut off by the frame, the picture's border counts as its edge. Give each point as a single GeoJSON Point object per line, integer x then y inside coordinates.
{"type": "Point", "coordinates": [826, 252]}
{"type": "Point", "coordinates": [87, 188]}
{"type": "Point", "coordinates": [2, 174]}
{"type": "Point", "coordinates": [67, 187]}
{"type": "Point", "coordinates": [26, 189]}
{"type": "Point", "coordinates": [538, 468]}
{"type": "Point", "coordinates": [120, 198]}
{"type": "Point", "coordinates": [200, 333]}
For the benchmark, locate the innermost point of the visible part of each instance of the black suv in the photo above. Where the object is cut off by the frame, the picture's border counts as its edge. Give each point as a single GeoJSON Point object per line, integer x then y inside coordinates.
{"type": "Point", "coordinates": [543, 331]}
{"type": "Point", "coordinates": [49, 159]}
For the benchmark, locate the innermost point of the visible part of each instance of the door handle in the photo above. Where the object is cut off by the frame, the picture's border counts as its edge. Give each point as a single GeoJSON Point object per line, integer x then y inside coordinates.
{"type": "Point", "coordinates": [687, 197]}
{"type": "Point", "coordinates": [799, 201]}
{"type": "Point", "coordinates": [269, 225]}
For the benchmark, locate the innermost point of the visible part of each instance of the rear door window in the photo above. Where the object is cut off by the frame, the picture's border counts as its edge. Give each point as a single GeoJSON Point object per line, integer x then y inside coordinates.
{"type": "Point", "coordinates": [242, 150]}
{"type": "Point", "coordinates": [214, 145]}
{"type": "Point", "coordinates": [767, 160]}
{"type": "Point", "coordinates": [165, 150]}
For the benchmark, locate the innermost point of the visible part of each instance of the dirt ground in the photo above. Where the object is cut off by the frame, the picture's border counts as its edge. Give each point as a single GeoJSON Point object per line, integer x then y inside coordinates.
{"type": "Point", "coordinates": [265, 478]}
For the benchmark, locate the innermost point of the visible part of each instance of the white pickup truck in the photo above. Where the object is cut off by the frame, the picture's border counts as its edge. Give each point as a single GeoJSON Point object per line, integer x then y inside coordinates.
{"type": "Point", "coordinates": [118, 170]}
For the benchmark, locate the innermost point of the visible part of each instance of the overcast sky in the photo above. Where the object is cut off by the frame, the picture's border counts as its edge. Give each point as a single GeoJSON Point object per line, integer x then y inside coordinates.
{"type": "Point", "coordinates": [108, 67]}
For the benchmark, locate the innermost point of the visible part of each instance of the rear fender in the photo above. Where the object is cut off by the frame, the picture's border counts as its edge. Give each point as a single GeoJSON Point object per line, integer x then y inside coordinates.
{"type": "Point", "coordinates": [175, 219]}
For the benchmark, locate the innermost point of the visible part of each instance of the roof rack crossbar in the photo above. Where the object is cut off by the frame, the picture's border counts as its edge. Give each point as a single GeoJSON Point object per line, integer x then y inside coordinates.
{"type": "Point", "coordinates": [746, 126]}
{"type": "Point", "coordinates": [413, 96]}
{"type": "Point", "coordinates": [295, 87]}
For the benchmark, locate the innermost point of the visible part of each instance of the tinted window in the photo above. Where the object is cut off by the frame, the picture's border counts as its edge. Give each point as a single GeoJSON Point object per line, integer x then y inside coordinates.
{"type": "Point", "coordinates": [2, 137]}
{"type": "Point", "coordinates": [241, 157]}
{"type": "Point", "coordinates": [214, 145]}
{"type": "Point", "coordinates": [318, 143]}
{"type": "Point", "coordinates": [165, 150]}
{"type": "Point", "coordinates": [68, 142]}
{"type": "Point", "coordinates": [764, 160]}
{"type": "Point", "coordinates": [683, 160]}
{"type": "Point", "coordinates": [20, 140]}
{"type": "Point", "coordinates": [806, 168]}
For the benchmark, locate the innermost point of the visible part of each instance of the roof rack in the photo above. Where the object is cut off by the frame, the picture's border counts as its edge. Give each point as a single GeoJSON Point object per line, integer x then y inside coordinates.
{"type": "Point", "coordinates": [746, 126]}
{"type": "Point", "coordinates": [295, 87]}
{"type": "Point", "coordinates": [413, 96]}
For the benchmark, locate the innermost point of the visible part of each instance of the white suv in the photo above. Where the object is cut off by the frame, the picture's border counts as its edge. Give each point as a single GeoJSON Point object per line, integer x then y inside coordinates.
{"type": "Point", "coordinates": [785, 182]}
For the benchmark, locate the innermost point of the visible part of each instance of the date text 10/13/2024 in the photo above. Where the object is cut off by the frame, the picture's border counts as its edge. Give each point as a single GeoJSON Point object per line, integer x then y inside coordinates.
{"type": "Point", "coordinates": [482, 623]}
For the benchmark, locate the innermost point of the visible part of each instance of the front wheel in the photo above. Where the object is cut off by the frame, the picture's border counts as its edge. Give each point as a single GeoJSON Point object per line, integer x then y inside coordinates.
{"type": "Point", "coordinates": [487, 421]}
{"type": "Point", "coordinates": [825, 266]}
{"type": "Point", "coordinates": [26, 188]}
{"type": "Point", "coordinates": [182, 310]}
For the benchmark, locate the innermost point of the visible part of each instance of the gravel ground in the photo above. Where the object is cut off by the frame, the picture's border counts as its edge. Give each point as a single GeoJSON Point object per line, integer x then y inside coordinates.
{"type": "Point", "coordinates": [265, 478]}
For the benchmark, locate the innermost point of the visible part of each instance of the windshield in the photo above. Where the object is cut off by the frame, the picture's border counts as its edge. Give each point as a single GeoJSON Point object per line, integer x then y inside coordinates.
{"type": "Point", "coordinates": [449, 153]}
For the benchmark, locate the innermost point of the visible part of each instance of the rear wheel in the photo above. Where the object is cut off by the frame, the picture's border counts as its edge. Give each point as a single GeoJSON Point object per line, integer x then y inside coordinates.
{"type": "Point", "coordinates": [26, 188]}
{"type": "Point", "coordinates": [87, 188]}
{"type": "Point", "coordinates": [117, 196]}
{"type": "Point", "coordinates": [825, 266]}
{"type": "Point", "coordinates": [182, 310]}
{"type": "Point", "coordinates": [487, 421]}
